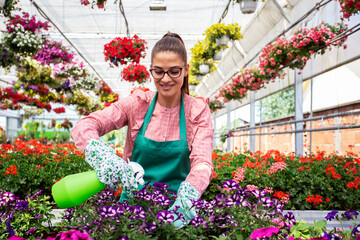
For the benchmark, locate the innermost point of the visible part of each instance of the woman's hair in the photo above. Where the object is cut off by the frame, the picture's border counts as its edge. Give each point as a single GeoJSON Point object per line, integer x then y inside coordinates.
{"type": "Point", "coordinates": [172, 42]}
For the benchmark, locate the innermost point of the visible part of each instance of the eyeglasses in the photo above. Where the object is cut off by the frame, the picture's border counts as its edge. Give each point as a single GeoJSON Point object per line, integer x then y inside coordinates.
{"type": "Point", "coordinates": [173, 72]}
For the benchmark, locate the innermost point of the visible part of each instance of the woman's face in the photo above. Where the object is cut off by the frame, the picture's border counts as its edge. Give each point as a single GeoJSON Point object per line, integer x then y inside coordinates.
{"type": "Point", "coordinates": [171, 63]}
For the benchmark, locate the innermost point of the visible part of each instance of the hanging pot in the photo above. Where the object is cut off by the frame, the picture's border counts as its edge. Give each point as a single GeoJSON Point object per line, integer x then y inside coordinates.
{"type": "Point", "coordinates": [199, 77]}
{"type": "Point", "coordinates": [223, 41]}
{"type": "Point", "coordinates": [204, 68]}
{"type": "Point", "coordinates": [69, 95]}
{"type": "Point", "coordinates": [217, 56]}
{"type": "Point", "coordinates": [192, 87]}
{"type": "Point", "coordinates": [2, 3]}
{"type": "Point", "coordinates": [248, 6]}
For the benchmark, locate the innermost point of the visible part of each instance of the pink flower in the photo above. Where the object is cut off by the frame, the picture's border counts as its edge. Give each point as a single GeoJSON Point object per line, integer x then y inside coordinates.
{"type": "Point", "coordinates": [264, 232]}
{"type": "Point", "coordinates": [16, 238]}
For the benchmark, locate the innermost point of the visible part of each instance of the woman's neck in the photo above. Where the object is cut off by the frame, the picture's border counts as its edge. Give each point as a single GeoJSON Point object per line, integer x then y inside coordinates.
{"type": "Point", "coordinates": [169, 102]}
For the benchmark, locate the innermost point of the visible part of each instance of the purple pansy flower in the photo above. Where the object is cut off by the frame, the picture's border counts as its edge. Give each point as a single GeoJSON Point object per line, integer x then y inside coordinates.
{"type": "Point", "coordinates": [165, 216]}
{"type": "Point", "coordinates": [107, 212]}
{"type": "Point", "coordinates": [231, 184]}
{"type": "Point", "coordinates": [162, 200]}
{"type": "Point", "coordinates": [267, 202]}
{"type": "Point", "coordinates": [331, 215]}
{"type": "Point", "coordinates": [290, 217]}
{"type": "Point", "coordinates": [22, 205]}
{"type": "Point", "coordinates": [197, 221]}
{"type": "Point", "coordinates": [349, 214]}
{"type": "Point", "coordinates": [8, 197]}
{"type": "Point", "coordinates": [355, 230]}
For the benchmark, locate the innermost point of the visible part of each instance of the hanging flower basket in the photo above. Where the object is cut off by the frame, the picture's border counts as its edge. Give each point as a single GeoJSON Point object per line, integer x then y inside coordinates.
{"type": "Point", "coordinates": [248, 6]}
{"type": "Point", "coordinates": [223, 41]}
{"type": "Point", "coordinates": [135, 73]}
{"type": "Point", "coordinates": [217, 56]}
{"type": "Point", "coordinates": [124, 50]}
{"type": "Point", "coordinates": [204, 68]}
{"type": "Point", "coordinates": [23, 34]}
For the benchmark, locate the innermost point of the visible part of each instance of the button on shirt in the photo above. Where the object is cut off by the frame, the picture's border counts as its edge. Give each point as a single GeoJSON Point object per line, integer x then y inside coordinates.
{"type": "Point", "coordinates": [164, 124]}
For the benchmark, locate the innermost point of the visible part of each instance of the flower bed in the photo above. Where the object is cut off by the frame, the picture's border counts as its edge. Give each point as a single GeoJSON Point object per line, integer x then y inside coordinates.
{"type": "Point", "coordinates": [312, 182]}
{"type": "Point", "coordinates": [231, 208]}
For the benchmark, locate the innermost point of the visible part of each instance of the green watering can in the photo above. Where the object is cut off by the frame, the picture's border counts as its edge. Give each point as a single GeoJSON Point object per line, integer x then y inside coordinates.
{"type": "Point", "coordinates": [73, 190]}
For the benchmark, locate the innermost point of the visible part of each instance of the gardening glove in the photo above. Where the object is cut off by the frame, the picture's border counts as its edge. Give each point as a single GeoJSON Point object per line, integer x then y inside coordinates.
{"type": "Point", "coordinates": [183, 204]}
{"type": "Point", "coordinates": [111, 169]}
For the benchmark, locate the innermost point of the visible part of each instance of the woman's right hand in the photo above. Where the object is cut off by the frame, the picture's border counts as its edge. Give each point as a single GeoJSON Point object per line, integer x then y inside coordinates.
{"type": "Point", "coordinates": [110, 168]}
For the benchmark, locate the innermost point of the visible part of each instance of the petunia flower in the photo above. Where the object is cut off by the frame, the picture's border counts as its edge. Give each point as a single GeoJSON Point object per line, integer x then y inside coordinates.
{"type": "Point", "coordinates": [331, 215]}
{"type": "Point", "coordinates": [349, 214]}
{"type": "Point", "coordinates": [355, 230]}
{"type": "Point", "coordinates": [165, 216]}
{"type": "Point", "coordinates": [264, 232]}
{"type": "Point", "coordinates": [231, 185]}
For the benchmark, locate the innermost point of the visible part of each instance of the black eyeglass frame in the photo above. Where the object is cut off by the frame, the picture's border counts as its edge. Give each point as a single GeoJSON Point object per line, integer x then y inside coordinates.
{"type": "Point", "coordinates": [166, 72]}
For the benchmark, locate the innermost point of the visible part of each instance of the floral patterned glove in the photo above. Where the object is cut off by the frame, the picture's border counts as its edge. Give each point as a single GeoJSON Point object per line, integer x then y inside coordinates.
{"type": "Point", "coordinates": [110, 168]}
{"type": "Point", "coordinates": [183, 204]}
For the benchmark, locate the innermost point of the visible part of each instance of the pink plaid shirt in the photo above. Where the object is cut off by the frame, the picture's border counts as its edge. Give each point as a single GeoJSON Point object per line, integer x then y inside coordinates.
{"type": "Point", "coordinates": [163, 126]}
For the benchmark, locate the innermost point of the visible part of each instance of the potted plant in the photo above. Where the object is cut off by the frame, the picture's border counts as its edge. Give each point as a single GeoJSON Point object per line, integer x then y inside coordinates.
{"type": "Point", "coordinates": [217, 56]}
{"type": "Point", "coordinates": [221, 33]}
{"type": "Point", "coordinates": [135, 73]}
{"type": "Point", "coordinates": [23, 34]}
{"type": "Point", "coordinates": [248, 6]}
{"type": "Point", "coordinates": [193, 82]}
{"type": "Point", "coordinates": [204, 68]}
{"type": "Point", "coordinates": [124, 50]}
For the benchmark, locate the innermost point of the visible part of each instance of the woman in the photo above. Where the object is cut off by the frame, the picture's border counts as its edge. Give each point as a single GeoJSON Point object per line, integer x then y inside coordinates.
{"type": "Point", "coordinates": [169, 132]}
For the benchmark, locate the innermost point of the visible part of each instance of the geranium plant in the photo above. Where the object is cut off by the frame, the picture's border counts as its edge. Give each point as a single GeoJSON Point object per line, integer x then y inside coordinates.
{"type": "Point", "coordinates": [135, 73]}
{"type": "Point", "coordinates": [349, 7]}
{"type": "Point", "coordinates": [144, 89]}
{"type": "Point", "coordinates": [297, 50]}
{"type": "Point", "coordinates": [124, 50]}
{"type": "Point", "coordinates": [99, 3]}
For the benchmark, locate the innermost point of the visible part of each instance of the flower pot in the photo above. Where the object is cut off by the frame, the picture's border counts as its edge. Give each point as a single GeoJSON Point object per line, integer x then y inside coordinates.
{"type": "Point", "coordinates": [199, 77]}
{"type": "Point", "coordinates": [69, 95]}
{"type": "Point", "coordinates": [192, 87]}
{"type": "Point", "coordinates": [217, 56]}
{"type": "Point", "coordinates": [248, 6]}
{"type": "Point", "coordinates": [223, 41]}
{"type": "Point", "coordinates": [204, 68]}
{"type": "Point", "coordinates": [2, 2]}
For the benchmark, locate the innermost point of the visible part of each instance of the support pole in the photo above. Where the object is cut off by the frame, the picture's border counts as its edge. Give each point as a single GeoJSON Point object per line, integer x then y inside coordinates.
{"type": "Point", "coordinates": [299, 126]}
{"type": "Point", "coordinates": [252, 121]}
{"type": "Point", "coordinates": [228, 127]}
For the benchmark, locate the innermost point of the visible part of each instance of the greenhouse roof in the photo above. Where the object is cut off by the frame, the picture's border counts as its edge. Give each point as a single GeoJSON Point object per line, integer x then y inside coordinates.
{"type": "Point", "coordinates": [88, 29]}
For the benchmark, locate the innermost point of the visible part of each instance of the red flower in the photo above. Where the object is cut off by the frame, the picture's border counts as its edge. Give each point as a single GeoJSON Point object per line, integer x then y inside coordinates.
{"type": "Point", "coordinates": [315, 200]}
{"type": "Point", "coordinates": [135, 72]}
{"type": "Point", "coordinates": [11, 170]}
{"type": "Point", "coordinates": [125, 50]}
{"type": "Point", "coordinates": [59, 110]}
{"type": "Point", "coordinates": [145, 89]}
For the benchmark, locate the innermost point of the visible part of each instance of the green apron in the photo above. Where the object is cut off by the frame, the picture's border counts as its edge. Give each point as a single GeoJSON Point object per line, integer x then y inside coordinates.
{"type": "Point", "coordinates": [163, 161]}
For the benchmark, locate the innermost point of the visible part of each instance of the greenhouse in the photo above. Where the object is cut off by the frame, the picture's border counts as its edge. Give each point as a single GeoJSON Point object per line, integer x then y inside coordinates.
{"type": "Point", "coordinates": [163, 119]}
